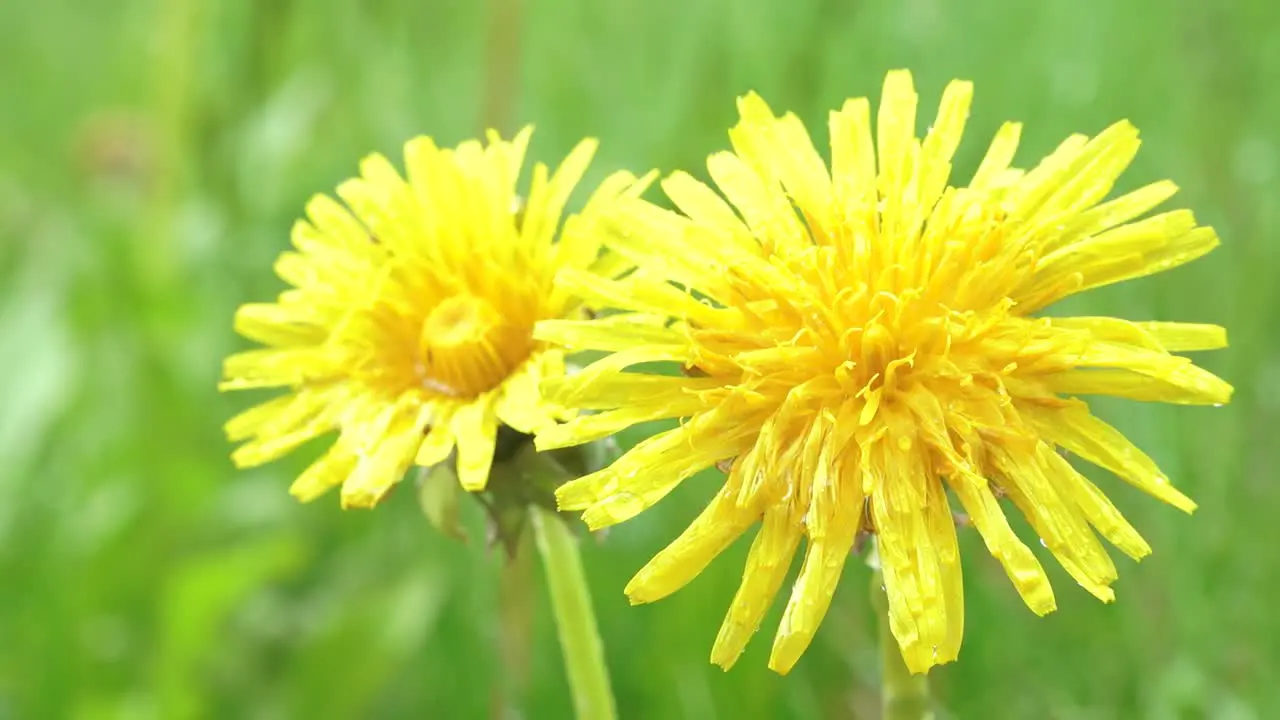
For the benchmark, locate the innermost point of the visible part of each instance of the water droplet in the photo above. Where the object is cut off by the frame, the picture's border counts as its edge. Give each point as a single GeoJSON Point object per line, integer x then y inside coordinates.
{"type": "Point", "coordinates": [935, 652]}
{"type": "Point", "coordinates": [1043, 544]}
{"type": "Point", "coordinates": [1218, 404]}
{"type": "Point", "coordinates": [883, 588]}
{"type": "Point", "coordinates": [622, 506]}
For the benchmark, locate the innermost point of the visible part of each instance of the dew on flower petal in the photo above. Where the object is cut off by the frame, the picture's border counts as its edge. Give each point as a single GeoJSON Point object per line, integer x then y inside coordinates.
{"type": "Point", "coordinates": [625, 504]}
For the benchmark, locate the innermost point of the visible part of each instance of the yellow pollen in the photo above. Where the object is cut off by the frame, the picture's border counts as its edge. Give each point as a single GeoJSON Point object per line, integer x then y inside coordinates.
{"type": "Point", "coordinates": [467, 348]}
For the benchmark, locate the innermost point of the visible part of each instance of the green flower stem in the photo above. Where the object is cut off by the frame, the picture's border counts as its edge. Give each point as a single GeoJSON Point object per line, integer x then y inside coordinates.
{"type": "Point", "coordinates": [903, 696]}
{"type": "Point", "coordinates": [515, 628]}
{"type": "Point", "coordinates": [575, 620]}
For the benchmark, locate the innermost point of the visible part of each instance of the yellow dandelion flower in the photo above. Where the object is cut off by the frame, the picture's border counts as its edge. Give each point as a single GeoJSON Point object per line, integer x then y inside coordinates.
{"type": "Point", "coordinates": [408, 327]}
{"type": "Point", "coordinates": [863, 354]}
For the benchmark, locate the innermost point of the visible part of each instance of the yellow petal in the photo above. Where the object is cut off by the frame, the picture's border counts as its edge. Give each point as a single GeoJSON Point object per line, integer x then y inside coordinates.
{"type": "Point", "coordinates": [334, 221]}
{"type": "Point", "coordinates": [1020, 564]}
{"type": "Point", "coordinates": [706, 208]}
{"type": "Point", "coordinates": [942, 533]}
{"type": "Point", "coordinates": [1186, 337]}
{"type": "Point", "coordinates": [327, 472]}
{"type": "Point", "coordinates": [600, 212]}
{"type": "Point", "coordinates": [1055, 519]}
{"type": "Point", "coordinates": [1131, 251]}
{"type": "Point", "coordinates": [1031, 191]}
{"type": "Point", "coordinates": [998, 157]}
{"type": "Point", "coordinates": [434, 182]}
{"type": "Point", "coordinates": [582, 237]}
{"type": "Point", "coordinates": [645, 474]}
{"type": "Point", "coordinates": [475, 429]}
{"type": "Point", "coordinates": [1125, 384]}
{"type": "Point", "coordinates": [1166, 336]}
{"type": "Point", "coordinates": [853, 160]}
{"type": "Point", "coordinates": [377, 472]}
{"type": "Point", "coordinates": [896, 148]}
{"type": "Point", "coordinates": [812, 592]}
{"type": "Point", "coordinates": [719, 524]}
{"type": "Point", "coordinates": [644, 295]}
{"type": "Point", "coordinates": [915, 556]}
{"type": "Point", "coordinates": [1076, 429]}
{"type": "Point", "coordinates": [546, 203]}
{"type": "Point", "coordinates": [250, 422]}
{"type": "Point", "coordinates": [613, 333]}
{"type": "Point", "coordinates": [520, 403]}
{"type": "Point", "coordinates": [781, 439]}
{"type": "Point", "coordinates": [508, 157]}
{"type": "Point", "coordinates": [438, 442]}
{"type": "Point", "coordinates": [610, 368]}
{"type": "Point", "coordinates": [779, 148]}
{"type": "Point", "coordinates": [760, 201]}
{"type": "Point", "coordinates": [767, 566]}
{"type": "Point", "coordinates": [275, 325]}
{"type": "Point", "coordinates": [1097, 509]}
{"type": "Point", "coordinates": [622, 389]}
{"type": "Point", "coordinates": [585, 428]}
{"type": "Point", "coordinates": [1187, 380]}
{"type": "Point", "coordinates": [276, 368]}
{"type": "Point", "coordinates": [383, 202]}
{"type": "Point", "coordinates": [263, 450]}
{"type": "Point", "coordinates": [1078, 183]}
{"type": "Point", "coordinates": [1113, 213]}
{"type": "Point", "coordinates": [941, 142]}
{"type": "Point", "coordinates": [283, 428]}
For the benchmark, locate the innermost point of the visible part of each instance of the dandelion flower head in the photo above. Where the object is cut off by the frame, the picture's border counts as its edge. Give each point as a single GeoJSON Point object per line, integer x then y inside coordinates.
{"type": "Point", "coordinates": [408, 326]}
{"type": "Point", "coordinates": [863, 355]}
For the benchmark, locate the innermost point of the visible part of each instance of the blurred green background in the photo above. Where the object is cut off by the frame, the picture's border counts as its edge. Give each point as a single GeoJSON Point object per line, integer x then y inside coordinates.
{"type": "Point", "coordinates": [154, 154]}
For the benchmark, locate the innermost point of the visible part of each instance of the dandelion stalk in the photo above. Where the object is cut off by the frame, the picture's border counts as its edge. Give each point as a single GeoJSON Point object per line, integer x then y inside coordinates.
{"type": "Point", "coordinates": [903, 696]}
{"type": "Point", "coordinates": [570, 599]}
{"type": "Point", "coordinates": [515, 623]}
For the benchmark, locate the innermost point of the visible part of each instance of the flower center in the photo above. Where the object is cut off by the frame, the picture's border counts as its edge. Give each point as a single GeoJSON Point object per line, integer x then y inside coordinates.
{"type": "Point", "coordinates": [466, 347]}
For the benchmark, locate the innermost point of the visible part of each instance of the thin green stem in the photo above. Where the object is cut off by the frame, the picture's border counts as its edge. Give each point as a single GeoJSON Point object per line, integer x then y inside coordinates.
{"type": "Point", "coordinates": [903, 696]}
{"type": "Point", "coordinates": [515, 629]}
{"type": "Point", "coordinates": [575, 619]}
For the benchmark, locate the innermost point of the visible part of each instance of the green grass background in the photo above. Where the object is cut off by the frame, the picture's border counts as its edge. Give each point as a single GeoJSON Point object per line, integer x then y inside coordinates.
{"type": "Point", "coordinates": [154, 154]}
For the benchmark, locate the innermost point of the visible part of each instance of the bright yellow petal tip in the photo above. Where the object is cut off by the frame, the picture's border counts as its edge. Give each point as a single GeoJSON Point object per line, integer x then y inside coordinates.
{"type": "Point", "coordinates": [408, 326]}
{"type": "Point", "coordinates": [862, 351]}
